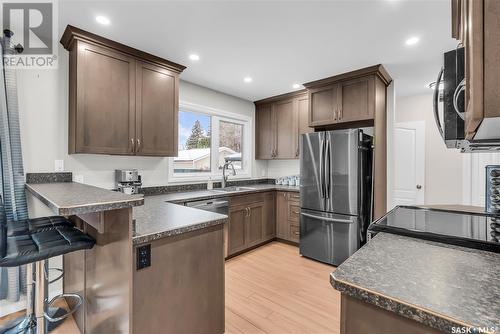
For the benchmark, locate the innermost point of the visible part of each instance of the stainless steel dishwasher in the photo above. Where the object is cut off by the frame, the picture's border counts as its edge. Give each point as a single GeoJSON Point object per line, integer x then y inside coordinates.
{"type": "Point", "coordinates": [218, 205]}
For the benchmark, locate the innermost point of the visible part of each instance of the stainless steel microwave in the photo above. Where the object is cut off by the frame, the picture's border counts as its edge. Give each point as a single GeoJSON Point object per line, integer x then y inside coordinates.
{"type": "Point", "coordinates": [449, 96]}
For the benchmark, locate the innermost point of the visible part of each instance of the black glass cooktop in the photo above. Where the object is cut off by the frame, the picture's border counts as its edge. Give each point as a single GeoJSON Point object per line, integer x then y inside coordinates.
{"type": "Point", "coordinates": [479, 231]}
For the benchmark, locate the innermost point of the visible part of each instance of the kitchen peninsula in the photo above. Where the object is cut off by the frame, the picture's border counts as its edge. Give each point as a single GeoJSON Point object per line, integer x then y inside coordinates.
{"type": "Point", "coordinates": [398, 284]}
{"type": "Point", "coordinates": [132, 275]}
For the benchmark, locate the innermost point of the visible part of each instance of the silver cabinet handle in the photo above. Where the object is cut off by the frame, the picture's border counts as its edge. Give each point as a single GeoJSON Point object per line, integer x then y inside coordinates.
{"type": "Point", "coordinates": [138, 144]}
{"type": "Point", "coordinates": [132, 141]}
{"type": "Point", "coordinates": [340, 114]}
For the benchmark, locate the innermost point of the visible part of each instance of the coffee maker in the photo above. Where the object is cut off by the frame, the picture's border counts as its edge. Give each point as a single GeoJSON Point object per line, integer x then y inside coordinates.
{"type": "Point", "coordinates": [128, 181]}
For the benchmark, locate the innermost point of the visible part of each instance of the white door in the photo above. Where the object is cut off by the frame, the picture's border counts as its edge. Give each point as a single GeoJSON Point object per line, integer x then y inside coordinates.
{"type": "Point", "coordinates": [409, 163]}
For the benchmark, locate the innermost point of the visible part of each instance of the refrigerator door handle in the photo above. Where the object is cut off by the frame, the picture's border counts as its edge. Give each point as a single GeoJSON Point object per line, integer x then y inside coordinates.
{"type": "Point", "coordinates": [335, 220]}
{"type": "Point", "coordinates": [322, 168]}
{"type": "Point", "coordinates": [328, 171]}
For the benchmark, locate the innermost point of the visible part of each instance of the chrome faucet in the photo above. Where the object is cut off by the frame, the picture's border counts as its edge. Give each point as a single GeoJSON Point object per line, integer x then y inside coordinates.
{"type": "Point", "coordinates": [224, 168]}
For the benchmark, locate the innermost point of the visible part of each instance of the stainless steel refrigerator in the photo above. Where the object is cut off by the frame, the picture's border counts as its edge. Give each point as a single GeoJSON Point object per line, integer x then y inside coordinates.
{"type": "Point", "coordinates": [335, 193]}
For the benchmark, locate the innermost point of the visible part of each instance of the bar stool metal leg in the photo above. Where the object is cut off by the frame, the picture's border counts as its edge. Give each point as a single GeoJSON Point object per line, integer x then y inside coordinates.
{"type": "Point", "coordinates": [41, 294]}
{"type": "Point", "coordinates": [27, 323]}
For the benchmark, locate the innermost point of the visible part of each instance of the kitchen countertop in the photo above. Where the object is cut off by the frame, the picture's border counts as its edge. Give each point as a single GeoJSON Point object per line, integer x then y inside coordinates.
{"type": "Point", "coordinates": [438, 285]}
{"type": "Point", "coordinates": [179, 197]}
{"type": "Point", "coordinates": [72, 198]}
{"type": "Point", "coordinates": [159, 219]}
{"type": "Point", "coordinates": [151, 222]}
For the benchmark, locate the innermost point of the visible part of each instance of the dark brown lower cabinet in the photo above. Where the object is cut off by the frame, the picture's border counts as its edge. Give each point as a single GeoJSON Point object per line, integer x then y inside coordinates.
{"type": "Point", "coordinates": [358, 317]}
{"type": "Point", "coordinates": [236, 229]}
{"type": "Point", "coordinates": [282, 229]}
{"type": "Point", "coordinates": [269, 224]}
{"type": "Point", "coordinates": [287, 216]}
{"type": "Point", "coordinates": [260, 217]}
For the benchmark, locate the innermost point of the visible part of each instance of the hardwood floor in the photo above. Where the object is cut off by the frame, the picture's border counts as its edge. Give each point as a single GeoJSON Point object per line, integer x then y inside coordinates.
{"type": "Point", "coordinates": [68, 326]}
{"type": "Point", "coordinates": [272, 289]}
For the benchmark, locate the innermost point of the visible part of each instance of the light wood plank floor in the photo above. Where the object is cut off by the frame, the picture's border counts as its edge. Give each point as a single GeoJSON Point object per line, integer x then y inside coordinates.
{"type": "Point", "coordinates": [272, 289]}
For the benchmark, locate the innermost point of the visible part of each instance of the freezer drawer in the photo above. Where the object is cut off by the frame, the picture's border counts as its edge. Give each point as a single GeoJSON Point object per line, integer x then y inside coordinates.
{"type": "Point", "coordinates": [326, 237]}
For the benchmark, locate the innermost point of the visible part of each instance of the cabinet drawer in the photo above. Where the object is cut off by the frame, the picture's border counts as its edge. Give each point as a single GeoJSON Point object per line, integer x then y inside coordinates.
{"type": "Point", "coordinates": [246, 199]}
{"type": "Point", "coordinates": [294, 197]}
{"type": "Point", "coordinates": [293, 212]}
{"type": "Point", "coordinates": [294, 233]}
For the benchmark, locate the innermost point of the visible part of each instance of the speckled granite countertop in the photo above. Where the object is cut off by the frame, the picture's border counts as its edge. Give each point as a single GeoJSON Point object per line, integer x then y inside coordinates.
{"type": "Point", "coordinates": [439, 285]}
{"type": "Point", "coordinates": [71, 198]}
{"type": "Point", "coordinates": [162, 216]}
{"type": "Point", "coordinates": [159, 219]}
{"type": "Point", "coordinates": [179, 197]}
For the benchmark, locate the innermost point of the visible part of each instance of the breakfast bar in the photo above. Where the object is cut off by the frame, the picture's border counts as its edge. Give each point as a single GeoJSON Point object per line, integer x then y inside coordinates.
{"type": "Point", "coordinates": [130, 277]}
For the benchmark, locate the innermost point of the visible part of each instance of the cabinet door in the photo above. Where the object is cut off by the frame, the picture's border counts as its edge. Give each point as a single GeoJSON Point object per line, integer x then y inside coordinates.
{"type": "Point", "coordinates": [255, 222]}
{"type": "Point", "coordinates": [264, 132]}
{"type": "Point", "coordinates": [157, 106]}
{"type": "Point", "coordinates": [282, 225]}
{"type": "Point", "coordinates": [286, 121]}
{"type": "Point", "coordinates": [269, 216]}
{"type": "Point", "coordinates": [105, 102]}
{"type": "Point", "coordinates": [357, 99]}
{"type": "Point", "coordinates": [474, 74]}
{"type": "Point", "coordinates": [302, 104]}
{"type": "Point", "coordinates": [236, 230]}
{"type": "Point", "coordinates": [322, 105]}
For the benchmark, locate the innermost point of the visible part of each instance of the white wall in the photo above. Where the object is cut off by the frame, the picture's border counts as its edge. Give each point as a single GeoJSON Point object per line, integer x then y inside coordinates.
{"type": "Point", "coordinates": [443, 167]}
{"type": "Point", "coordinates": [43, 103]}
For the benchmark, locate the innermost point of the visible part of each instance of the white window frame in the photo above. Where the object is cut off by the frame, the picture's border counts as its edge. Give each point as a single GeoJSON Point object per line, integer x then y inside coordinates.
{"type": "Point", "coordinates": [215, 173]}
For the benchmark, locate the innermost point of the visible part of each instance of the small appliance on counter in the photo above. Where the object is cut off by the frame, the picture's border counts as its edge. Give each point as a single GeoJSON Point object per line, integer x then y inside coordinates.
{"type": "Point", "coordinates": [493, 189]}
{"type": "Point", "coordinates": [459, 228]}
{"type": "Point", "coordinates": [128, 181]}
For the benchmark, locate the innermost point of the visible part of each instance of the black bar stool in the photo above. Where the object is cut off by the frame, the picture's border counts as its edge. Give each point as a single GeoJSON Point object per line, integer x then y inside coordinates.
{"type": "Point", "coordinates": [36, 248]}
{"type": "Point", "coordinates": [23, 227]}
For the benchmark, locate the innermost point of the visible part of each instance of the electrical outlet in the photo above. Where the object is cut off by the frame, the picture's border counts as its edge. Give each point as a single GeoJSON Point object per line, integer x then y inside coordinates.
{"type": "Point", "coordinates": [143, 257]}
{"type": "Point", "coordinates": [78, 178]}
{"type": "Point", "coordinates": [59, 165]}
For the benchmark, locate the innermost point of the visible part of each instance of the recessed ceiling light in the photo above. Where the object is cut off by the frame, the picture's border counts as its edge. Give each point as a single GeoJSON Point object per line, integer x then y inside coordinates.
{"type": "Point", "coordinates": [247, 79]}
{"type": "Point", "coordinates": [296, 86]}
{"type": "Point", "coordinates": [194, 57]}
{"type": "Point", "coordinates": [102, 20]}
{"type": "Point", "coordinates": [412, 40]}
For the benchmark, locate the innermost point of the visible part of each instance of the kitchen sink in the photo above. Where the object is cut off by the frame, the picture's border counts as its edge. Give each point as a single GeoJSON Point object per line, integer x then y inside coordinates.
{"type": "Point", "coordinates": [232, 189]}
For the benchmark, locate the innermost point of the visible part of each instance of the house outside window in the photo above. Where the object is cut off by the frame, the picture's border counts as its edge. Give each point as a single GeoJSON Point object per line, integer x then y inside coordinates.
{"type": "Point", "coordinates": [207, 137]}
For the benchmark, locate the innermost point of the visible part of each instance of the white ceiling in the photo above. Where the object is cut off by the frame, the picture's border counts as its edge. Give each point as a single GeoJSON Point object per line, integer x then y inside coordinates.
{"type": "Point", "coordinates": [277, 43]}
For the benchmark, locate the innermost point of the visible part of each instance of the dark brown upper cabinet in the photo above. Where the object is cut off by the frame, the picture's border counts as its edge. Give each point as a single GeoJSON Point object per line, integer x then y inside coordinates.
{"type": "Point", "coordinates": [475, 24]}
{"type": "Point", "coordinates": [347, 98]}
{"type": "Point", "coordinates": [280, 121]}
{"type": "Point", "coordinates": [122, 100]}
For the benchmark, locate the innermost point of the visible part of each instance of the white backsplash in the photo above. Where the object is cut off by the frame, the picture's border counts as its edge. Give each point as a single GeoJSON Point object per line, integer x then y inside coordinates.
{"type": "Point", "coordinates": [277, 168]}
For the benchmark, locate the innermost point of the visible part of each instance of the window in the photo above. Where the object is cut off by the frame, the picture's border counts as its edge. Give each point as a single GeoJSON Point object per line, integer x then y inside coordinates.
{"type": "Point", "coordinates": [230, 142]}
{"type": "Point", "coordinates": [194, 143]}
{"type": "Point", "coordinates": [208, 138]}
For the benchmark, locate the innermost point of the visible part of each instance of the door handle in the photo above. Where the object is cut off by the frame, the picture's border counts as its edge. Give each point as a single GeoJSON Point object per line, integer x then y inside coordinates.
{"type": "Point", "coordinates": [133, 144]}
{"type": "Point", "coordinates": [327, 170]}
{"type": "Point", "coordinates": [138, 144]}
{"type": "Point", "coordinates": [419, 186]}
{"type": "Point", "coordinates": [322, 168]}
{"type": "Point", "coordinates": [335, 220]}
{"type": "Point", "coordinates": [435, 102]}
